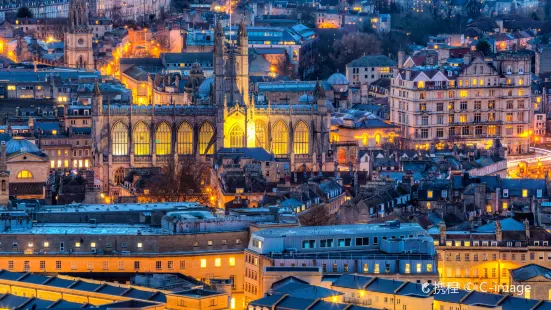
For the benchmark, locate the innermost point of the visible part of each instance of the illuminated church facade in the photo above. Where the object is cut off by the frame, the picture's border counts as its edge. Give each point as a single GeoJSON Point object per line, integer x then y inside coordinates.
{"type": "Point", "coordinates": [223, 113]}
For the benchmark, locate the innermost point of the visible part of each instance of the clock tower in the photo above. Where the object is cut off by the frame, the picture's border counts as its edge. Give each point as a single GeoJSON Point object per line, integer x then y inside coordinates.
{"type": "Point", "coordinates": [78, 38]}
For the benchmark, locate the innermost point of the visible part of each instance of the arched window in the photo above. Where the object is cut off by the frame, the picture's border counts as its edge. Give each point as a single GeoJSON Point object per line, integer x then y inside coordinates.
{"type": "Point", "coordinates": [3, 185]}
{"type": "Point", "coordinates": [236, 136]}
{"type": "Point", "coordinates": [24, 174]}
{"type": "Point", "coordinates": [205, 135]}
{"type": "Point", "coordinates": [378, 138]}
{"type": "Point", "coordinates": [141, 139]}
{"type": "Point", "coordinates": [119, 176]}
{"type": "Point", "coordinates": [185, 139]}
{"type": "Point", "coordinates": [119, 139]}
{"type": "Point", "coordinates": [301, 139]}
{"type": "Point", "coordinates": [163, 139]}
{"type": "Point", "coordinates": [260, 134]}
{"type": "Point", "coordinates": [280, 138]}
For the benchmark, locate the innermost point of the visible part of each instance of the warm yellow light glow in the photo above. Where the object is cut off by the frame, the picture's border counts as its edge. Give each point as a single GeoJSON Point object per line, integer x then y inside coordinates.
{"type": "Point", "coordinates": [217, 262]}
{"type": "Point", "coordinates": [232, 261]}
{"type": "Point", "coordinates": [24, 174]}
{"type": "Point", "coordinates": [203, 263]}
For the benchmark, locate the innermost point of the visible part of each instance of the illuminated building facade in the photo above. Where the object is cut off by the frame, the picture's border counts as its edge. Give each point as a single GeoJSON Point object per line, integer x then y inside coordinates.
{"type": "Point", "coordinates": [225, 115]}
{"type": "Point", "coordinates": [398, 251]}
{"type": "Point", "coordinates": [487, 253]}
{"type": "Point", "coordinates": [472, 103]}
{"type": "Point", "coordinates": [78, 40]}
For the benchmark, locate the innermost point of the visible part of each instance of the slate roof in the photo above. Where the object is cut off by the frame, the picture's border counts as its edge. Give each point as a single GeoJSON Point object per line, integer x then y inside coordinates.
{"type": "Point", "coordinates": [351, 281]}
{"type": "Point", "coordinates": [372, 61]}
{"type": "Point", "coordinates": [507, 224]}
{"type": "Point", "coordinates": [530, 271]}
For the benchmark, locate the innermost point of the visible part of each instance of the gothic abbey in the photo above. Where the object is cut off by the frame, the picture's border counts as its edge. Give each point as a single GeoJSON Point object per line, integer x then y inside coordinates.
{"type": "Point", "coordinates": [227, 115]}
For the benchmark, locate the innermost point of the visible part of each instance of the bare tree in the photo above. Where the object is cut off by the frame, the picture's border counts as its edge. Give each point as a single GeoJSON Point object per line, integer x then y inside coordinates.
{"type": "Point", "coordinates": [115, 14]}
{"type": "Point", "coordinates": [186, 180]}
{"type": "Point", "coordinates": [315, 216]}
{"type": "Point", "coordinates": [166, 43]}
{"type": "Point", "coordinates": [354, 45]}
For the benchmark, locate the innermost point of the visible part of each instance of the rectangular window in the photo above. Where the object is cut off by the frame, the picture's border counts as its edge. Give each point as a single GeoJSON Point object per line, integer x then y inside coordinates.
{"type": "Point", "coordinates": [326, 243]}
{"type": "Point", "coordinates": [344, 242]}
{"type": "Point", "coordinates": [57, 264]}
{"type": "Point", "coordinates": [137, 265]}
{"type": "Point", "coordinates": [42, 264]}
{"type": "Point", "coordinates": [158, 265]}
{"type": "Point", "coordinates": [217, 262]}
{"type": "Point", "coordinates": [362, 241]}
{"type": "Point", "coordinates": [182, 264]}
{"type": "Point", "coordinates": [121, 265]}
{"type": "Point", "coordinates": [105, 265]}
{"type": "Point", "coordinates": [203, 263]}
{"type": "Point", "coordinates": [308, 244]}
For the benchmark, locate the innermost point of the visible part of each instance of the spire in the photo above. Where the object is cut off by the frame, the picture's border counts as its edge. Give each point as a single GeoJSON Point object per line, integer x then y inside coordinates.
{"type": "Point", "coordinates": [96, 91]}
{"type": "Point", "coordinates": [3, 164]}
{"type": "Point", "coordinates": [319, 93]}
{"type": "Point", "coordinates": [218, 30]}
{"type": "Point", "coordinates": [242, 30]}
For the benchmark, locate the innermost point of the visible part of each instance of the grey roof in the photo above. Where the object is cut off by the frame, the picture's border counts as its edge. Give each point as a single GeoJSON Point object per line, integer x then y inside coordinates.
{"type": "Point", "coordinates": [372, 61]}
{"type": "Point", "coordinates": [85, 286]}
{"type": "Point", "coordinates": [352, 281]}
{"type": "Point", "coordinates": [8, 275]}
{"type": "Point", "coordinates": [414, 289]}
{"type": "Point", "coordinates": [279, 302]}
{"type": "Point", "coordinates": [188, 58]}
{"type": "Point", "coordinates": [384, 285]}
{"type": "Point", "coordinates": [9, 301]}
{"type": "Point", "coordinates": [352, 229]}
{"type": "Point", "coordinates": [516, 303]}
{"type": "Point", "coordinates": [482, 299]}
{"type": "Point", "coordinates": [293, 269]}
{"type": "Point", "coordinates": [337, 79]}
{"type": "Point", "coordinates": [301, 290]}
{"type": "Point", "coordinates": [257, 153]}
{"type": "Point", "coordinates": [58, 282]}
{"type": "Point", "coordinates": [530, 271]}
{"type": "Point", "coordinates": [507, 224]}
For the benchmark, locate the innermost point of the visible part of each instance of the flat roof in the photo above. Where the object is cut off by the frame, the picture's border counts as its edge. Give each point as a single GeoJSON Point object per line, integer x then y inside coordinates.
{"type": "Point", "coordinates": [352, 229]}
{"type": "Point", "coordinates": [122, 207]}
{"type": "Point", "coordinates": [88, 229]}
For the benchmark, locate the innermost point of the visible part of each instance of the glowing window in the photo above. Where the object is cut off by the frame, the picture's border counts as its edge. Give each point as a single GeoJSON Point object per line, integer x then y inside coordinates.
{"type": "Point", "coordinates": [140, 245]}
{"type": "Point", "coordinates": [260, 134]}
{"type": "Point", "coordinates": [11, 87]}
{"type": "Point", "coordinates": [185, 139]}
{"type": "Point", "coordinates": [203, 263]}
{"type": "Point", "coordinates": [163, 139]}
{"type": "Point", "coordinates": [232, 261]}
{"type": "Point", "coordinates": [301, 139]}
{"type": "Point", "coordinates": [408, 268]}
{"type": "Point", "coordinates": [521, 82]}
{"type": "Point", "coordinates": [280, 138]}
{"type": "Point", "coordinates": [236, 136]}
{"type": "Point", "coordinates": [524, 193]}
{"type": "Point", "coordinates": [217, 262]}
{"type": "Point", "coordinates": [463, 93]}
{"type": "Point", "coordinates": [24, 174]}
{"type": "Point", "coordinates": [141, 139]}
{"type": "Point", "coordinates": [93, 245]}
{"type": "Point", "coordinates": [505, 206]}
{"type": "Point", "coordinates": [421, 84]}
{"type": "Point", "coordinates": [418, 268]}
{"type": "Point", "coordinates": [378, 139]}
{"type": "Point", "coordinates": [206, 134]}
{"type": "Point", "coordinates": [521, 92]}
{"type": "Point", "coordinates": [429, 194]}
{"type": "Point", "coordinates": [474, 82]}
{"type": "Point", "coordinates": [119, 136]}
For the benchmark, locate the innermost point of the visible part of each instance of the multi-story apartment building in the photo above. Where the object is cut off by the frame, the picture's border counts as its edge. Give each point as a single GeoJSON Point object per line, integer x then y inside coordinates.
{"type": "Point", "coordinates": [369, 68]}
{"type": "Point", "coordinates": [485, 254]}
{"type": "Point", "coordinates": [472, 103]}
{"type": "Point", "coordinates": [391, 250]}
{"type": "Point", "coordinates": [97, 239]}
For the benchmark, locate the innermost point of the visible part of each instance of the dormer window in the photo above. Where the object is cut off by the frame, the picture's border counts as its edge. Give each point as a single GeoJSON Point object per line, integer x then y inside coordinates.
{"type": "Point", "coordinates": [506, 193]}
{"type": "Point", "coordinates": [509, 69]}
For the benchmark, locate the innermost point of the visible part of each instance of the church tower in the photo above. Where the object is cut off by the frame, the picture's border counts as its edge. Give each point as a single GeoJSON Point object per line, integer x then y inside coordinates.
{"type": "Point", "coordinates": [219, 82]}
{"type": "Point", "coordinates": [78, 39]}
{"type": "Point", "coordinates": [219, 64]}
{"type": "Point", "coordinates": [242, 62]}
{"type": "Point", "coordinates": [4, 177]}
